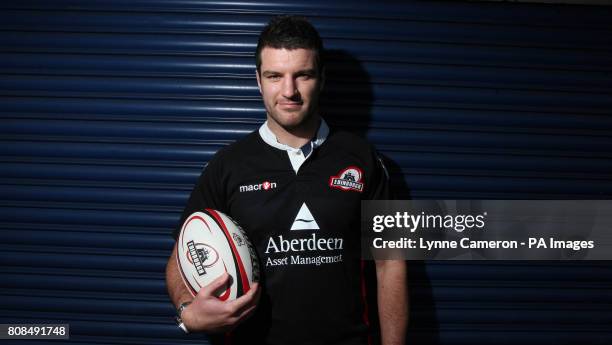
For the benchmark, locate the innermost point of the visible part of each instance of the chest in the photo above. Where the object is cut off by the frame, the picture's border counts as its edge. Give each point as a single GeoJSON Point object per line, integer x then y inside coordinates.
{"type": "Point", "coordinates": [267, 197]}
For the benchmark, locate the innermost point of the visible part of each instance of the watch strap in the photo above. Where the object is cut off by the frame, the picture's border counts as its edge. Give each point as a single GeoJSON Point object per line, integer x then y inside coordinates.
{"type": "Point", "coordinates": [179, 320]}
{"type": "Point", "coordinates": [181, 307]}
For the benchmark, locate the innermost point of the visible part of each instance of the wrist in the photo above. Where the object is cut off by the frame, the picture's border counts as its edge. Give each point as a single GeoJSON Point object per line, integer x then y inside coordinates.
{"type": "Point", "coordinates": [187, 317]}
{"type": "Point", "coordinates": [180, 318]}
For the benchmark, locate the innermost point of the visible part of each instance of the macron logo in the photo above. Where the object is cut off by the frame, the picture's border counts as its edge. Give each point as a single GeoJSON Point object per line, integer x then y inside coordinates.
{"type": "Point", "coordinates": [261, 186]}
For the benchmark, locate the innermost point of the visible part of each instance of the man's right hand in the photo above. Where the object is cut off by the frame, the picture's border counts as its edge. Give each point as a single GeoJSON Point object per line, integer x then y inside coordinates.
{"type": "Point", "coordinates": [207, 313]}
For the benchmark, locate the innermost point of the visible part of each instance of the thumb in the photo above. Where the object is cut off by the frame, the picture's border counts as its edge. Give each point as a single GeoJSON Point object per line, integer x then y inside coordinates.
{"type": "Point", "coordinates": [217, 284]}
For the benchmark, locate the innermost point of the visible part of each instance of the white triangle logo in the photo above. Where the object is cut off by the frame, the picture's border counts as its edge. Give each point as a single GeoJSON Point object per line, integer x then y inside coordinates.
{"type": "Point", "coordinates": [304, 220]}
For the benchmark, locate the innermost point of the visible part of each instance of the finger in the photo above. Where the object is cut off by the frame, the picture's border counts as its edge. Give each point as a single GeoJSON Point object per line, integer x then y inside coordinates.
{"type": "Point", "coordinates": [246, 300]}
{"type": "Point", "coordinates": [247, 312]}
{"type": "Point", "coordinates": [250, 297]}
{"type": "Point", "coordinates": [240, 310]}
{"type": "Point", "coordinates": [215, 285]}
{"type": "Point", "coordinates": [256, 293]}
{"type": "Point", "coordinates": [254, 288]}
{"type": "Point", "coordinates": [235, 320]}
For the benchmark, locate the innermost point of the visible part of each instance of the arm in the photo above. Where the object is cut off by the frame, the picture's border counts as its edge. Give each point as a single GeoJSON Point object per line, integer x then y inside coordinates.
{"type": "Point", "coordinates": [207, 313]}
{"type": "Point", "coordinates": [176, 288]}
{"type": "Point", "coordinates": [392, 300]}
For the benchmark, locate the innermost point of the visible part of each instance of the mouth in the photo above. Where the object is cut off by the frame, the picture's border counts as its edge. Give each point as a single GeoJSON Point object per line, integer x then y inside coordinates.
{"type": "Point", "coordinates": [290, 105]}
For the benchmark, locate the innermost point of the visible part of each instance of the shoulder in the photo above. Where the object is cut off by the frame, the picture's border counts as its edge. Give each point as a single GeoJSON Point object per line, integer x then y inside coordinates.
{"type": "Point", "coordinates": [355, 151]}
{"type": "Point", "coordinates": [350, 143]}
{"type": "Point", "coordinates": [343, 142]}
{"type": "Point", "coordinates": [241, 148]}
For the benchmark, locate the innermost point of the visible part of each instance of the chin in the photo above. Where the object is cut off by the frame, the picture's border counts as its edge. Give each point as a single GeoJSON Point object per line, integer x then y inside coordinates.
{"type": "Point", "coordinates": [291, 125]}
{"type": "Point", "coordinates": [291, 120]}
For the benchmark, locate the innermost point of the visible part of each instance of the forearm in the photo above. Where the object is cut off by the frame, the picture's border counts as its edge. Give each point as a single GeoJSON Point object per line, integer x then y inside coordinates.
{"type": "Point", "coordinates": [392, 300]}
{"type": "Point", "coordinates": [176, 288]}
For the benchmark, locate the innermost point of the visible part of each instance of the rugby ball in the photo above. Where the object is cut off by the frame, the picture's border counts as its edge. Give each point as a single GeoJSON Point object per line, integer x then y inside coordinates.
{"type": "Point", "coordinates": [211, 243]}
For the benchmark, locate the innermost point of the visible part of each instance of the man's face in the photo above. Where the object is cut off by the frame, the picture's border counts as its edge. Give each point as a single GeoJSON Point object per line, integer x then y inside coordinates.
{"type": "Point", "coordinates": [290, 85]}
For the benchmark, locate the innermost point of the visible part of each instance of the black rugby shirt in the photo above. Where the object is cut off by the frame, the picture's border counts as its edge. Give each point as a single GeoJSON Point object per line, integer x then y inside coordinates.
{"type": "Point", "coordinates": [300, 208]}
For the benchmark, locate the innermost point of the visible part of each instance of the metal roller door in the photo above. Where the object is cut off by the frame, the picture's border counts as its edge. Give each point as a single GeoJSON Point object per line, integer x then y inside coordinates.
{"type": "Point", "coordinates": [110, 109]}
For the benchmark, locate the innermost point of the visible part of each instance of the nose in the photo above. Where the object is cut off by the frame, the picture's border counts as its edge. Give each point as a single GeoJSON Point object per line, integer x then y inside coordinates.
{"type": "Point", "coordinates": [289, 88]}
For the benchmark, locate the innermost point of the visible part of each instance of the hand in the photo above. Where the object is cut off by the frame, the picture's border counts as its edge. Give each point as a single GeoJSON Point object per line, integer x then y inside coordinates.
{"type": "Point", "coordinates": [207, 313]}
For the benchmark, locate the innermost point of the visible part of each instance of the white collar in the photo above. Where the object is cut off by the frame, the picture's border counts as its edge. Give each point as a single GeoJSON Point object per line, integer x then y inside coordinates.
{"type": "Point", "coordinates": [297, 156]}
{"type": "Point", "coordinates": [270, 139]}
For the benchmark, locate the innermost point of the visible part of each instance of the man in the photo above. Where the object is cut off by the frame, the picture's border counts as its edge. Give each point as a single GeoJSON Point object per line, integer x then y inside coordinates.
{"type": "Point", "coordinates": [295, 186]}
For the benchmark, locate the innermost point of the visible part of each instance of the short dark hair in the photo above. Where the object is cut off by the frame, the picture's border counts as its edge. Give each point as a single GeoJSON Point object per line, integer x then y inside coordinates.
{"type": "Point", "coordinates": [290, 32]}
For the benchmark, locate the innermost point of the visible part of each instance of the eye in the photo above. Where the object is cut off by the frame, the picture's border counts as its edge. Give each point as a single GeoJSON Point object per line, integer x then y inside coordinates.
{"type": "Point", "coordinates": [305, 76]}
{"type": "Point", "coordinates": [273, 77]}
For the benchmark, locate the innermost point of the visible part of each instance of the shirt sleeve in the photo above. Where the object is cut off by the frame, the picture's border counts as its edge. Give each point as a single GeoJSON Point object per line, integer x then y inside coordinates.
{"type": "Point", "coordinates": [207, 193]}
{"type": "Point", "coordinates": [379, 182]}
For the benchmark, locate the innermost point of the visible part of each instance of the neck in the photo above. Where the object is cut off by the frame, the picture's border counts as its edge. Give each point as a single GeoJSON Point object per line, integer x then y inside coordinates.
{"type": "Point", "coordinates": [295, 137]}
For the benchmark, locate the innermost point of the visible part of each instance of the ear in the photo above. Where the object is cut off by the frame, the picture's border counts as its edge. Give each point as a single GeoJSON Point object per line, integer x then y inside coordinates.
{"type": "Point", "coordinates": [258, 81]}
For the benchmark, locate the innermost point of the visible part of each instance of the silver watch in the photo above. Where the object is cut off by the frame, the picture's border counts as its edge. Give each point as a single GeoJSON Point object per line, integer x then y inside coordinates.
{"type": "Point", "coordinates": [179, 320]}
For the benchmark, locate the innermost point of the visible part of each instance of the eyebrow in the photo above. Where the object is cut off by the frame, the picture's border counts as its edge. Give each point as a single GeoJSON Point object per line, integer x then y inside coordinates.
{"type": "Point", "coordinates": [267, 73]}
{"type": "Point", "coordinates": [304, 71]}
{"type": "Point", "coordinates": [308, 71]}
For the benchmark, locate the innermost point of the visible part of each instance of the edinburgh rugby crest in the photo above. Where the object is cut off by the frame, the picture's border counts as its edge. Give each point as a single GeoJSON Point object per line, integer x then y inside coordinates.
{"type": "Point", "coordinates": [350, 178]}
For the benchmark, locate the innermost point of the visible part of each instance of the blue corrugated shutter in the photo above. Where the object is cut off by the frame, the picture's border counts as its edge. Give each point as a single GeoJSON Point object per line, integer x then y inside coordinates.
{"type": "Point", "coordinates": [110, 109]}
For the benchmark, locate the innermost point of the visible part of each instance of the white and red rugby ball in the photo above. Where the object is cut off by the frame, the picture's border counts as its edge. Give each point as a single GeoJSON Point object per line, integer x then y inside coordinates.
{"type": "Point", "coordinates": [211, 243]}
